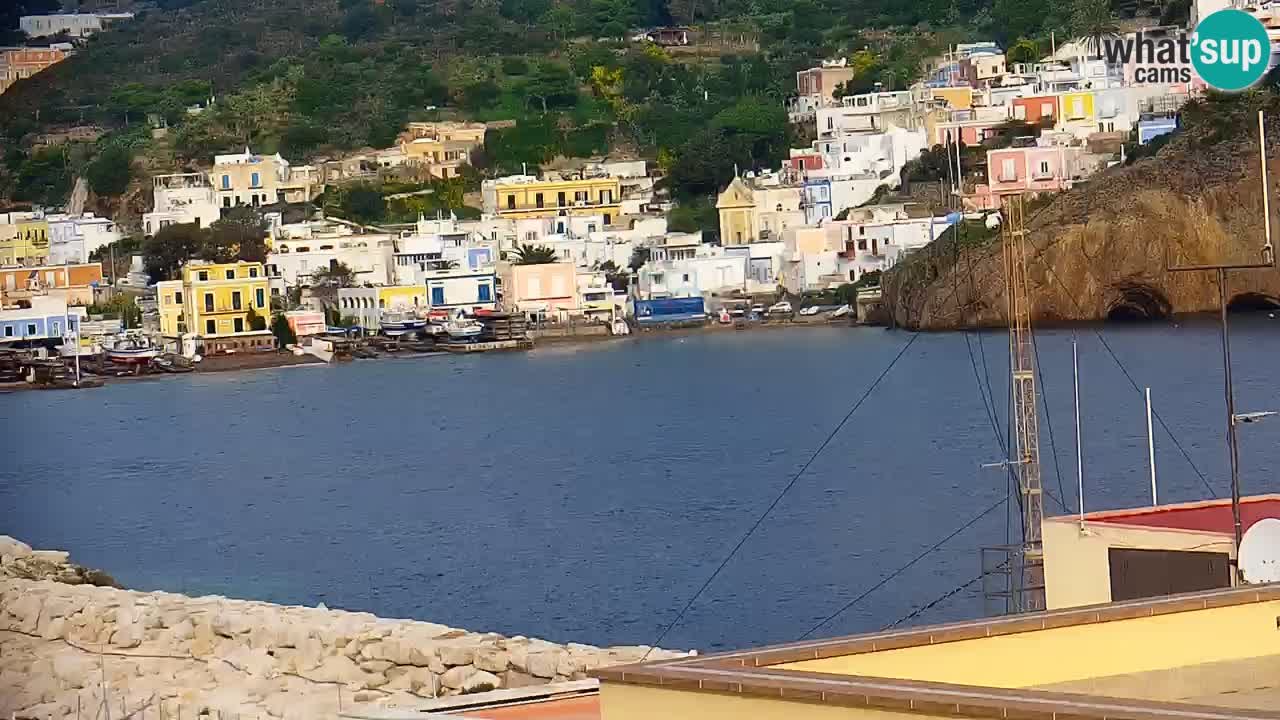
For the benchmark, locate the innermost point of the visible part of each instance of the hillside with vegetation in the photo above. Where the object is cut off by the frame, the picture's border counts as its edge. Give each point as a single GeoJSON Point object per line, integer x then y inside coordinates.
{"type": "Point", "coordinates": [310, 78]}
{"type": "Point", "coordinates": [1100, 251]}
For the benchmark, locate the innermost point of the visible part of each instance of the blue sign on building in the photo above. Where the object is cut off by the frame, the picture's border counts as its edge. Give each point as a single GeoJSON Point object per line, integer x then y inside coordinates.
{"type": "Point", "coordinates": [669, 310]}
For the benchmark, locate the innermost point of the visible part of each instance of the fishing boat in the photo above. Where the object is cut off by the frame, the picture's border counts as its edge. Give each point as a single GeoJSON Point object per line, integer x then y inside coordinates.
{"type": "Point", "coordinates": [461, 327]}
{"type": "Point", "coordinates": [402, 322]}
{"type": "Point", "coordinates": [132, 349]}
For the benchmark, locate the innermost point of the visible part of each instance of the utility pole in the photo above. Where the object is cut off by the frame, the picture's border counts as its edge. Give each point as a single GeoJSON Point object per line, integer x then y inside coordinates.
{"type": "Point", "coordinates": [1268, 262]}
{"type": "Point", "coordinates": [1028, 594]}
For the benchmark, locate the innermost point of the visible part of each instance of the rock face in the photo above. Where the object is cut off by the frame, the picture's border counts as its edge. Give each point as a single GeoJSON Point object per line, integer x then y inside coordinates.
{"type": "Point", "coordinates": [58, 641]}
{"type": "Point", "coordinates": [1100, 251]}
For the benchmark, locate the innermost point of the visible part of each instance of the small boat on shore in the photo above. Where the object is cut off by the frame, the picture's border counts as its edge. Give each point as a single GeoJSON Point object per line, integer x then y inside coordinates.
{"type": "Point", "coordinates": [132, 349]}
{"type": "Point", "coordinates": [460, 327]}
{"type": "Point", "coordinates": [397, 323]}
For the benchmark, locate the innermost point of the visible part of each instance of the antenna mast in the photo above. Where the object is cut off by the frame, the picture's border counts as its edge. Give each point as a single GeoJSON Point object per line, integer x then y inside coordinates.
{"type": "Point", "coordinates": [1028, 574]}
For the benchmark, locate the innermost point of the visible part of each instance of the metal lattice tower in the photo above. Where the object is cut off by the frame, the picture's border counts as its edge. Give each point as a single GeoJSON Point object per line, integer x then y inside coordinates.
{"type": "Point", "coordinates": [1028, 577]}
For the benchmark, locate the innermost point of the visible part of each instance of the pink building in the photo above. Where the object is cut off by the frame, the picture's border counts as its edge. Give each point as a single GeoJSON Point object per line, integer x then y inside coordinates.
{"type": "Point", "coordinates": [1032, 169]}
{"type": "Point", "coordinates": [549, 289]}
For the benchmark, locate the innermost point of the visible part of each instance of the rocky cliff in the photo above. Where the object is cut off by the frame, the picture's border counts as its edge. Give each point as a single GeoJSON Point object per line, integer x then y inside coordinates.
{"type": "Point", "coordinates": [1101, 250]}
{"type": "Point", "coordinates": [65, 648]}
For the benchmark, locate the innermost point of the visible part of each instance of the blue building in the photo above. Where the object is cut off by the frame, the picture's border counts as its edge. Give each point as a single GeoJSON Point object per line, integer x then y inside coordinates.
{"type": "Point", "coordinates": [45, 322]}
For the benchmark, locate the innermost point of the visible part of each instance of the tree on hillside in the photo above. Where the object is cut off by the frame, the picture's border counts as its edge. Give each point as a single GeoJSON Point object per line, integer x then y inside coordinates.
{"type": "Point", "coordinates": [109, 173]}
{"type": "Point", "coordinates": [241, 234]}
{"type": "Point", "coordinates": [164, 253]}
{"type": "Point", "coordinates": [533, 255]}
{"type": "Point", "coordinates": [363, 203]}
{"type": "Point", "coordinates": [1022, 51]}
{"type": "Point", "coordinates": [326, 282]}
{"type": "Point", "coordinates": [44, 178]}
{"type": "Point", "coordinates": [552, 85]}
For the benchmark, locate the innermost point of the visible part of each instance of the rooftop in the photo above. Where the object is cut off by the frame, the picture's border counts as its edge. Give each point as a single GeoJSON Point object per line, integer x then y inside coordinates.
{"type": "Point", "coordinates": [1133, 660]}
{"type": "Point", "coordinates": [1203, 516]}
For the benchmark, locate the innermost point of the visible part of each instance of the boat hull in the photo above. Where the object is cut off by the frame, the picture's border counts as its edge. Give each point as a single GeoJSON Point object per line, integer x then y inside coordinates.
{"type": "Point", "coordinates": [132, 357]}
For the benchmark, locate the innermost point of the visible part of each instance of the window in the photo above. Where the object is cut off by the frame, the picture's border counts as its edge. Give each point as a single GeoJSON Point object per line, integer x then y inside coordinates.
{"type": "Point", "coordinates": [606, 197]}
{"type": "Point", "coordinates": [1077, 107]}
{"type": "Point", "coordinates": [559, 201]}
{"type": "Point", "coordinates": [235, 300]}
{"type": "Point", "coordinates": [226, 182]}
{"type": "Point", "coordinates": [255, 180]}
{"type": "Point", "coordinates": [511, 202]}
{"type": "Point", "coordinates": [1044, 168]}
{"type": "Point", "coordinates": [177, 297]}
{"type": "Point", "coordinates": [238, 325]}
{"type": "Point", "coordinates": [537, 199]}
{"type": "Point", "coordinates": [685, 278]}
{"type": "Point", "coordinates": [230, 274]}
{"type": "Point", "coordinates": [1007, 173]}
{"type": "Point", "coordinates": [208, 302]}
{"type": "Point", "coordinates": [226, 202]}
{"type": "Point", "coordinates": [253, 272]}
{"type": "Point", "coordinates": [437, 296]}
{"type": "Point", "coordinates": [261, 297]}
{"type": "Point", "coordinates": [211, 327]}
{"type": "Point", "coordinates": [203, 275]}
{"type": "Point", "coordinates": [608, 219]}
{"type": "Point", "coordinates": [8, 331]}
{"type": "Point", "coordinates": [485, 294]}
{"type": "Point", "coordinates": [31, 328]}
{"type": "Point", "coordinates": [168, 299]}
{"type": "Point", "coordinates": [580, 196]}
{"type": "Point", "coordinates": [1046, 109]}
{"type": "Point", "coordinates": [382, 304]}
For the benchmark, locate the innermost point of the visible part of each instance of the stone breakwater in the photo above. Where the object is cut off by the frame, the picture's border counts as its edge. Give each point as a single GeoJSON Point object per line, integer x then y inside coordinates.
{"type": "Point", "coordinates": [64, 647]}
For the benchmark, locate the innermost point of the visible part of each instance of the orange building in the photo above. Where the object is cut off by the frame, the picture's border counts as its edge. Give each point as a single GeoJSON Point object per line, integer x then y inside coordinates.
{"type": "Point", "coordinates": [75, 282]}
{"type": "Point", "coordinates": [17, 63]}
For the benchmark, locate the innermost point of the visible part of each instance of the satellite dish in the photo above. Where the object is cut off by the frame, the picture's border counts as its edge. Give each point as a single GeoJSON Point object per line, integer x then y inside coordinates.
{"type": "Point", "coordinates": [1260, 552]}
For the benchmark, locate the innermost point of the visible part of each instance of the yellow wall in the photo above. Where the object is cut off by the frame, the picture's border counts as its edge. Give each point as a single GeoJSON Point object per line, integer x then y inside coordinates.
{"type": "Point", "coordinates": [603, 196]}
{"type": "Point", "coordinates": [241, 180]}
{"type": "Point", "coordinates": [958, 98]}
{"type": "Point", "coordinates": [248, 279]}
{"type": "Point", "coordinates": [1077, 567]}
{"type": "Point", "coordinates": [735, 225]}
{"type": "Point", "coordinates": [1077, 652]}
{"type": "Point", "coordinates": [638, 702]}
{"type": "Point", "coordinates": [407, 296]}
{"type": "Point", "coordinates": [1067, 112]}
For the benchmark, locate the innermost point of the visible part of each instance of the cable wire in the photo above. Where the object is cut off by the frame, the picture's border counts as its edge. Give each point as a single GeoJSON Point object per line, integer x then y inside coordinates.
{"type": "Point", "coordinates": [1053, 446]}
{"type": "Point", "coordinates": [885, 580]}
{"type": "Point", "coordinates": [929, 606]}
{"type": "Point", "coordinates": [794, 479]}
{"type": "Point", "coordinates": [1107, 346]}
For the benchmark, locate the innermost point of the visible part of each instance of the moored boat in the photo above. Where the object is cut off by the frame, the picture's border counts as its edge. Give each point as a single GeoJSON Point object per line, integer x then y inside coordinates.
{"type": "Point", "coordinates": [132, 349]}
{"type": "Point", "coordinates": [397, 323]}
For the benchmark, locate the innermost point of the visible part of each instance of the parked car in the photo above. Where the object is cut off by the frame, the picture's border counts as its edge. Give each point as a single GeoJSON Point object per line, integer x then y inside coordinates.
{"type": "Point", "coordinates": [758, 309]}
{"type": "Point", "coordinates": [781, 308]}
{"type": "Point", "coordinates": [811, 310]}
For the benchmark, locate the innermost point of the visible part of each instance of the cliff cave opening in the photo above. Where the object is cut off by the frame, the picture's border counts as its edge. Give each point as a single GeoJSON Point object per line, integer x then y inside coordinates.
{"type": "Point", "coordinates": [1252, 302]}
{"type": "Point", "coordinates": [1138, 303]}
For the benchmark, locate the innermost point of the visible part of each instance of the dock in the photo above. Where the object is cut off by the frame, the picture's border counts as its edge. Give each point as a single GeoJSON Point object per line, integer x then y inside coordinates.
{"type": "Point", "coordinates": [485, 346]}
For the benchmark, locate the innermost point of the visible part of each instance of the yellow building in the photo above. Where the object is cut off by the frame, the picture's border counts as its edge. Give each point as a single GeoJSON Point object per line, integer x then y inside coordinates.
{"type": "Point", "coordinates": [218, 303]}
{"type": "Point", "coordinates": [959, 97]}
{"type": "Point", "coordinates": [1077, 107]}
{"type": "Point", "coordinates": [759, 210]}
{"type": "Point", "coordinates": [24, 239]}
{"type": "Point", "coordinates": [523, 196]}
{"type": "Point", "coordinates": [1202, 656]}
{"type": "Point", "coordinates": [442, 147]}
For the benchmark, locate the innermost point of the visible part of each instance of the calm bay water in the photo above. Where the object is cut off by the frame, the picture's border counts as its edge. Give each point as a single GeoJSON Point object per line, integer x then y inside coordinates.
{"type": "Point", "coordinates": [584, 493]}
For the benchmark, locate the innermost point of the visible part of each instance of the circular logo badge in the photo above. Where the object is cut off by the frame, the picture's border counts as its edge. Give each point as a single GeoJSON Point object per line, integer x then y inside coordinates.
{"type": "Point", "coordinates": [1230, 50]}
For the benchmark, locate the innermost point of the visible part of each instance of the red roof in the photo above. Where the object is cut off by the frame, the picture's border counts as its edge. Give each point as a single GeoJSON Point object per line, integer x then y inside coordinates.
{"type": "Point", "coordinates": [1207, 516]}
{"type": "Point", "coordinates": [573, 708]}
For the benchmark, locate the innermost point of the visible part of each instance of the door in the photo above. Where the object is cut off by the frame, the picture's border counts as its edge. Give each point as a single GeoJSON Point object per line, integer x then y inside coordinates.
{"type": "Point", "coordinates": [1155, 573]}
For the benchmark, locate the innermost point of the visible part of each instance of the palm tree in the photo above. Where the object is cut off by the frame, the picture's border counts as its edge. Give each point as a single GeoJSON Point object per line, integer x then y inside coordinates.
{"type": "Point", "coordinates": [533, 255]}
{"type": "Point", "coordinates": [1093, 23]}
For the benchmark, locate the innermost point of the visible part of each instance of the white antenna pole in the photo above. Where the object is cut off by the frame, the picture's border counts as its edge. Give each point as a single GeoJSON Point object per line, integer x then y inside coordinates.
{"type": "Point", "coordinates": [1151, 451]}
{"type": "Point", "coordinates": [1075, 367]}
{"type": "Point", "coordinates": [1267, 251]}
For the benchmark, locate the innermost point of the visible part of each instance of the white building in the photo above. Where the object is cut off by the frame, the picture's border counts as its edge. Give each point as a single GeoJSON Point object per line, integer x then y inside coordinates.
{"type": "Point", "coordinates": [72, 239]}
{"type": "Point", "coordinates": [298, 250]}
{"type": "Point", "coordinates": [74, 24]}
{"type": "Point", "coordinates": [868, 112]}
{"type": "Point", "coordinates": [878, 237]}
{"type": "Point", "coordinates": [711, 271]}
{"type": "Point", "coordinates": [764, 265]}
{"type": "Point", "coordinates": [245, 178]}
{"type": "Point", "coordinates": [453, 288]}
{"type": "Point", "coordinates": [180, 199]}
